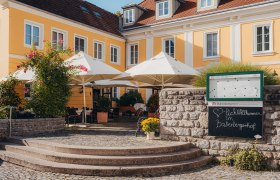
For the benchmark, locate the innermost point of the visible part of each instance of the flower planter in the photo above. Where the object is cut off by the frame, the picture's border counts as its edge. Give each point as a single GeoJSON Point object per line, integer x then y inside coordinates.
{"type": "Point", "coordinates": [102, 117]}
{"type": "Point", "coordinates": [151, 114]}
{"type": "Point", "coordinates": [150, 135]}
{"type": "Point", "coordinates": [114, 104]}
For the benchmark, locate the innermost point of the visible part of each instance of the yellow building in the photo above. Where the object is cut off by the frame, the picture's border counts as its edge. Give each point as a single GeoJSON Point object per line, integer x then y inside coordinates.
{"type": "Point", "coordinates": [196, 32]}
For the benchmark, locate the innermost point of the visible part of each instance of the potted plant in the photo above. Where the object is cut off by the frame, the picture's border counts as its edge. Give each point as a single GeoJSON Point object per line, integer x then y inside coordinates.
{"type": "Point", "coordinates": [149, 127]}
{"type": "Point", "coordinates": [103, 107]}
{"type": "Point", "coordinates": [153, 105]}
{"type": "Point", "coordinates": [128, 100]}
{"type": "Point", "coordinates": [115, 102]}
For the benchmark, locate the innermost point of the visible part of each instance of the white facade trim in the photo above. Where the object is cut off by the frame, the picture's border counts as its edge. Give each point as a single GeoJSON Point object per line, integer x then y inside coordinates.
{"type": "Point", "coordinates": [81, 37]}
{"type": "Point", "coordinates": [118, 55]}
{"type": "Point", "coordinates": [205, 57]}
{"type": "Point", "coordinates": [103, 45]}
{"type": "Point", "coordinates": [277, 62]}
{"type": "Point", "coordinates": [65, 34]}
{"type": "Point", "coordinates": [189, 48]}
{"type": "Point", "coordinates": [235, 43]}
{"type": "Point", "coordinates": [255, 26]}
{"type": "Point", "coordinates": [149, 47]}
{"type": "Point", "coordinates": [41, 33]}
{"type": "Point", "coordinates": [45, 14]}
{"type": "Point", "coordinates": [15, 56]}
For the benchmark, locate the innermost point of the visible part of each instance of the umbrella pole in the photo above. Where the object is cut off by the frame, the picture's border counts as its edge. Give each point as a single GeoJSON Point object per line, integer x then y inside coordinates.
{"type": "Point", "coordinates": [84, 91]}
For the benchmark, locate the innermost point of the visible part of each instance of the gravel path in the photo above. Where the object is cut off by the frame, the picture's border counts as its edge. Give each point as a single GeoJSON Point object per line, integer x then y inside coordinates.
{"type": "Point", "coordinates": [13, 172]}
{"type": "Point", "coordinates": [101, 138]}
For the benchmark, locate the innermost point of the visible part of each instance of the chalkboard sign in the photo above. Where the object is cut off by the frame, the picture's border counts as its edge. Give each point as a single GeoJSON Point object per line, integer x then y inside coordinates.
{"type": "Point", "coordinates": [235, 121]}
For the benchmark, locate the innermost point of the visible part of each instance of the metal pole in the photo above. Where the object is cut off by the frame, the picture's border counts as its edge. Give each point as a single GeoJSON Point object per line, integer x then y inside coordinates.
{"type": "Point", "coordinates": [84, 90]}
{"type": "Point", "coordinates": [11, 109]}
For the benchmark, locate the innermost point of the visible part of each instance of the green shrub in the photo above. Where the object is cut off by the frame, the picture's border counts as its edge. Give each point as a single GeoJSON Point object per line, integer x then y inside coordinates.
{"type": "Point", "coordinates": [131, 98]}
{"type": "Point", "coordinates": [246, 159]}
{"type": "Point", "coordinates": [51, 89]}
{"type": "Point", "coordinates": [103, 104]}
{"type": "Point", "coordinates": [153, 103]}
{"type": "Point", "coordinates": [3, 113]}
{"type": "Point", "coordinates": [8, 94]}
{"type": "Point", "coordinates": [269, 79]}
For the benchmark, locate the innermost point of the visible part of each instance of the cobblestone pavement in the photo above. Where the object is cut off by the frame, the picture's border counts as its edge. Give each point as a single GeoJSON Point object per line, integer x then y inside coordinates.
{"type": "Point", "coordinates": [100, 138]}
{"type": "Point", "coordinates": [13, 172]}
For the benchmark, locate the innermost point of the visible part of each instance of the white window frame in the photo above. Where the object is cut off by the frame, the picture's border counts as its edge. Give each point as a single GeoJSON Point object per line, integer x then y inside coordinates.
{"type": "Point", "coordinates": [103, 50]}
{"type": "Point", "coordinates": [129, 55]}
{"type": "Point", "coordinates": [163, 45]}
{"type": "Point", "coordinates": [268, 52]}
{"type": "Point", "coordinates": [205, 45]}
{"type": "Point", "coordinates": [118, 55]}
{"type": "Point", "coordinates": [127, 12]}
{"type": "Point", "coordinates": [81, 37]}
{"type": "Point", "coordinates": [65, 36]}
{"type": "Point", "coordinates": [158, 11]}
{"type": "Point", "coordinates": [41, 34]}
{"type": "Point", "coordinates": [207, 5]}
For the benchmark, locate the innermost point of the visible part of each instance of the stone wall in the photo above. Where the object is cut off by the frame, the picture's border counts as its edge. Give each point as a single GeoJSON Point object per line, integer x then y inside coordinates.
{"type": "Point", "coordinates": [23, 127]}
{"type": "Point", "coordinates": [184, 117]}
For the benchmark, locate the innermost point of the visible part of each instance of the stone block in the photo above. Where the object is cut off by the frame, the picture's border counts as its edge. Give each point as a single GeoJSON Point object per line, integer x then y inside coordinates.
{"type": "Point", "coordinates": [165, 115]}
{"type": "Point", "coordinates": [228, 145]}
{"type": "Point", "coordinates": [201, 108]}
{"type": "Point", "coordinates": [197, 124]}
{"type": "Point", "coordinates": [186, 116]}
{"type": "Point", "coordinates": [245, 146]}
{"type": "Point", "coordinates": [189, 108]}
{"type": "Point", "coordinates": [270, 116]}
{"type": "Point", "coordinates": [267, 154]}
{"type": "Point", "coordinates": [172, 123]}
{"type": "Point", "coordinates": [163, 122]}
{"type": "Point", "coordinates": [215, 145]}
{"type": "Point", "coordinates": [176, 116]}
{"type": "Point", "coordinates": [180, 108]}
{"type": "Point", "coordinates": [276, 123]}
{"type": "Point", "coordinates": [171, 108]}
{"type": "Point", "coordinates": [203, 119]}
{"type": "Point", "coordinates": [213, 152]}
{"type": "Point", "coordinates": [162, 108]}
{"type": "Point", "coordinates": [277, 148]}
{"type": "Point", "coordinates": [182, 131]}
{"type": "Point", "coordinates": [276, 155]}
{"type": "Point", "coordinates": [194, 116]}
{"type": "Point", "coordinates": [175, 101]}
{"type": "Point", "coordinates": [167, 131]}
{"type": "Point", "coordinates": [199, 97]}
{"type": "Point", "coordinates": [265, 147]}
{"type": "Point", "coordinates": [275, 140]}
{"type": "Point", "coordinates": [197, 132]}
{"type": "Point", "coordinates": [188, 124]}
{"type": "Point", "coordinates": [223, 152]}
{"type": "Point", "coordinates": [203, 144]}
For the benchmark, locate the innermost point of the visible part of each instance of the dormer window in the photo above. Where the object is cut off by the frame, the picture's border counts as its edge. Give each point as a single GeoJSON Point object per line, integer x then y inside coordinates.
{"type": "Point", "coordinates": [163, 8]}
{"type": "Point", "coordinates": [206, 3]}
{"type": "Point", "coordinates": [129, 16]}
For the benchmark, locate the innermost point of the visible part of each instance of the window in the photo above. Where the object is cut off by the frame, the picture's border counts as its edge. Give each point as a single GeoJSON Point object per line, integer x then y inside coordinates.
{"type": "Point", "coordinates": [80, 44]}
{"type": "Point", "coordinates": [99, 51]}
{"type": "Point", "coordinates": [163, 8]}
{"type": "Point", "coordinates": [115, 92]}
{"type": "Point", "coordinates": [134, 54]}
{"type": "Point", "coordinates": [211, 45]}
{"type": "Point", "coordinates": [129, 16]}
{"type": "Point", "coordinates": [59, 39]}
{"type": "Point", "coordinates": [263, 38]}
{"type": "Point", "coordinates": [169, 47]}
{"type": "Point", "coordinates": [206, 3]}
{"type": "Point", "coordinates": [33, 35]}
{"type": "Point", "coordinates": [115, 54]}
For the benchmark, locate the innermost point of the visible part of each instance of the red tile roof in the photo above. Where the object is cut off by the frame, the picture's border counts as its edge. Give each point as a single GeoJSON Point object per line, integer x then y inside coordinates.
{"type": "Point", "coordinates": [71, 9]}
{"type": "Point", "coordinates": [188, 8]}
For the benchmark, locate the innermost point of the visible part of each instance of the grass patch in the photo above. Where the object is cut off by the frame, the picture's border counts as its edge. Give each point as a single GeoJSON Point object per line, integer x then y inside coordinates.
{"type": "Point", "coordinates": [270, 76]}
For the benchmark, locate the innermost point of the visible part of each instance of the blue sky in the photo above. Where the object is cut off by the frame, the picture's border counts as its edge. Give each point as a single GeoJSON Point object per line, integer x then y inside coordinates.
{"type": "Point", "coordinates": [112, 5]}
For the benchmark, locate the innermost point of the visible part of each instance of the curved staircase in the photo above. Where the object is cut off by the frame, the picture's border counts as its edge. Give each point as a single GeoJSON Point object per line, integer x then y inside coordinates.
{"type": "Point", "coordinates": [84, 160]}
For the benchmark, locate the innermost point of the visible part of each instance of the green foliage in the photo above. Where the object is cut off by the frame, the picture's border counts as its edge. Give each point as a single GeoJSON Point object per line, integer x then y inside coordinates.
{"type": "Point", "coordinates": [131, 98]}
{"type": "Point", "coordinates": [8, 94]}
{"type": "Point", "coordinates": [269, 79]}
{"type": "Point", "coordinates": [3, 113]}
{"type": "Point", "coordinates": [153, 103]}
{"type": "Point", "coordinates": [51, 89]}
{"type": "Point", "coordinates": [103, 104]}
{"type": "Point", "coordinates": [247, 159]}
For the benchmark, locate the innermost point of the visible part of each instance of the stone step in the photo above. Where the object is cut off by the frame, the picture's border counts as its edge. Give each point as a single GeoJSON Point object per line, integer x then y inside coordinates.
{"type": "Point", "coordinates": [102, 160]}
{"type": "Point", "coordinates": [89, 170]}
{"type": "Point", "coordinates": [101, 151]}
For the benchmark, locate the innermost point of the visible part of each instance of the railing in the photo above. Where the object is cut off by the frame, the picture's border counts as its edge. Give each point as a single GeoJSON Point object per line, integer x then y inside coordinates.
{"type": "Point", "coordinates": [11, 110]}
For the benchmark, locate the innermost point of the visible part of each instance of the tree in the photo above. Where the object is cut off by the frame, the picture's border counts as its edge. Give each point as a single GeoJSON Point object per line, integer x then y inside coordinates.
{"type": "Point", "coordinates": [8, 94]}
{"type": "Point", "coordinates": [51, 89]}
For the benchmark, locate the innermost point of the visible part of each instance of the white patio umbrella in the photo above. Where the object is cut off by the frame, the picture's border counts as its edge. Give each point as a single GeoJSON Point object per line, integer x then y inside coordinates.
{"type": "Point", "coordinates": [160, 70]}
{"type": "Point", "coordinates": [22, 75]}
{"type": "Point", "coordinates": [114, 83]}
{"type": "Point", "coordinates": [91, 70]}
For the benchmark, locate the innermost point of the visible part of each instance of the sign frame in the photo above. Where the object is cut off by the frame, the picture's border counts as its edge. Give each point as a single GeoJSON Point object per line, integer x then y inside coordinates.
{"type": "Point", "coordinates": [235, 73]}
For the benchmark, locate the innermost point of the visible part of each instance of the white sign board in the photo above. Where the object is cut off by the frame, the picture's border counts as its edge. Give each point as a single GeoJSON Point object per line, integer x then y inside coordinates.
{"type": "Point", "coordinates": [235, 86]}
